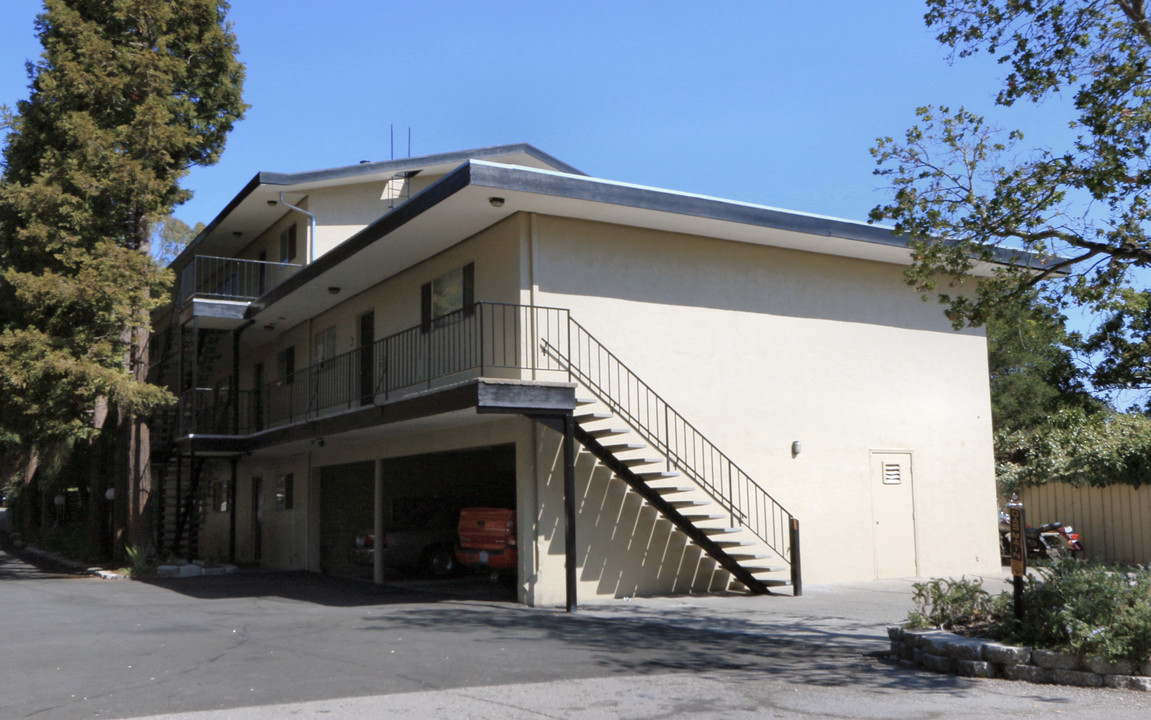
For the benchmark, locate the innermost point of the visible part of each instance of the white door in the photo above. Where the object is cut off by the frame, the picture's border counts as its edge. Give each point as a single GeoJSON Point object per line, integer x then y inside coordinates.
{"type": "Point", "coordinates": [893, 514]}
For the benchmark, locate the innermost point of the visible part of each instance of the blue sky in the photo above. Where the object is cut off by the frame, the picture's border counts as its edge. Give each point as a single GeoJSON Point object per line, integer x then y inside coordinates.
{"type": "Point", "coordinates": [769, 102]}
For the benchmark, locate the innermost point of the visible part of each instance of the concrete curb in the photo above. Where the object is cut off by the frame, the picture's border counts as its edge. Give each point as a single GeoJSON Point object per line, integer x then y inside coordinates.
{"type": "Point", "coordinates": [176, 570]}
{"type": "Point", "coordinates": [945, 652]}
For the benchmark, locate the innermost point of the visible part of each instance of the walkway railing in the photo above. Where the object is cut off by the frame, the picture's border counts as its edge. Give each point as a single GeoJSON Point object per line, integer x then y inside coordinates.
{"type": "Point", "coordinates": [499, 340]}
{"type": "Point", "coordinates": [231, 279]}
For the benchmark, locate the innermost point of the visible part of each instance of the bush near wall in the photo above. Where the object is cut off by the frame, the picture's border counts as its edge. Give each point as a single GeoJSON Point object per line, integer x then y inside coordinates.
{"type": "Point", "coordinates": [1097, 449]}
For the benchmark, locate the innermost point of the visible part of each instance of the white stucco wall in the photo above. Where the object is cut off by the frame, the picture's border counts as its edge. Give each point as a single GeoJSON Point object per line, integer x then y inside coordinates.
{"type": "Point", "coordinates": [760, 347]}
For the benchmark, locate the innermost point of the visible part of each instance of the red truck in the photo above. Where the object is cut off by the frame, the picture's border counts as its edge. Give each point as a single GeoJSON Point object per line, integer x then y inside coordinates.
{"type": "Point", "coordinates": [487, 538]}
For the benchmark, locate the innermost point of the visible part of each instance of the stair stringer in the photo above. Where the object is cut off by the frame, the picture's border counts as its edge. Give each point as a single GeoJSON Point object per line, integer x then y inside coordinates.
{"type": "Point", "coordinates": [697, 533]}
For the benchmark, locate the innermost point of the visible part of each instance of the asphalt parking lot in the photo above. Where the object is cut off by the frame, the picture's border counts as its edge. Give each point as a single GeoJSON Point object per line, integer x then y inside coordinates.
{"type": "Point", "coordinates": [272, 645]}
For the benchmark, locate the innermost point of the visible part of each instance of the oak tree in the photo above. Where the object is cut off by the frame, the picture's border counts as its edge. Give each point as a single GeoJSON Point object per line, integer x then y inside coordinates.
{"type": "Point", "coordinates": [1070, 223]}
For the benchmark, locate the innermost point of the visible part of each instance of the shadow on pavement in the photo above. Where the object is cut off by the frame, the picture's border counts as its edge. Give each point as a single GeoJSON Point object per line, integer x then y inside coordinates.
{"type": "Point", "coordinates": [302, 586]}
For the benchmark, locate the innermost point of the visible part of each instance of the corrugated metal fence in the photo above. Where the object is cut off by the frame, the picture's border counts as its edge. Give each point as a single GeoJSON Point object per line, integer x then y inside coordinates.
{"type": "Point", "coordinates": [1113, 522]}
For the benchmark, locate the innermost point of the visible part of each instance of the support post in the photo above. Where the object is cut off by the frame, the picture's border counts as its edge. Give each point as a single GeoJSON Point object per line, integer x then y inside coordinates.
{"type": "Point", "coordinates": [232, 512]}
{"type": "Point", "coordinates": [378, 523]}
{"type": "Point", "coordinates": [569, 511]}
{"type": "Point", "coordinates": [796, 571]}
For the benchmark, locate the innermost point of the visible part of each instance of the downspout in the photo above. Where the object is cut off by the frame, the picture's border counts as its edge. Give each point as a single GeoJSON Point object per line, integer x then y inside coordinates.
{"type": "Point", "coordinates": [312, 227]}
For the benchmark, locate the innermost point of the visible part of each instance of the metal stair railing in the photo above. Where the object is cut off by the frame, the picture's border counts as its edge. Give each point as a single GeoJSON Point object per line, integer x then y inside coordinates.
{"type": "Point", "coordinates": [510, 339]}
{"type": "Point", "coordinates": [687, 450]}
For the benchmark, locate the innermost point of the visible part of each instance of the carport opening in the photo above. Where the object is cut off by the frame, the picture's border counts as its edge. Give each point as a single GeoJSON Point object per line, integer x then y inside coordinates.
{"type": "Point", "coordinates": [421, 502]}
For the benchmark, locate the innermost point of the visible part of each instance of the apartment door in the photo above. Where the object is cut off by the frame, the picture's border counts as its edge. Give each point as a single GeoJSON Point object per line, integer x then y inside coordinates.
{"type": "Point", "coordinates": [257, 518]}
{"type": "Point", "coordinates": [893, 514]}
{"type": "Point", "coordinates": [367, 357]}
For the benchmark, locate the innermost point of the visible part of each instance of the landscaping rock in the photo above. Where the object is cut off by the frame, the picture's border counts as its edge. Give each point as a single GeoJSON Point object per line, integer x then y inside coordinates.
{"type": "Point", "coordinates": [190, 571]}
{"type": "Point", "coordinates": [935, 663]}
{"type": "Point", "coordinates": [1030, 673]}
{"type": "Point", "coordinates": [1102, 666]}
{"type": "Point", "coordinates": [915, 638]}
{"type": "Point", "coordinates": [975, 668]}
{"type": "Point", "coordinates": [938, 642]}
{"type": "Point", "coordinates": [966, 649]}
{"type": "Point", "coordinates": [1054, 660]}
{"type": "Point", "coordinates": [1006, 654]}
{"type": "Point", "coordinates": [1078, 678]}
{"type": "Point", "coordinates": [1139, 683]}
{"type": "Point", "coordinates": [167, 571]}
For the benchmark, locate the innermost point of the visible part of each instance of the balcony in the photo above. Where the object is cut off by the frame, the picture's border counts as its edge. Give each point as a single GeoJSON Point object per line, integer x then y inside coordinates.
{"type": "Point", "coordinates": [215, 278]}
{"type": "Point", "coordinates": [489, 340]}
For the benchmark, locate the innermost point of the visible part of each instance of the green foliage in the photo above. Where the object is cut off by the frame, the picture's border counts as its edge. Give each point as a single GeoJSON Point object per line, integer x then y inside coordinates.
{"type": "Point", "coordinates": [1071, 606]}
{"type": "Point", "coordinates": [1085, 609]}
{"type": "Point", "coordinates": [950, 605]}
{"type": "Point", "coordinates": [1033, 370]}
{"type": "Point", "coordinates": [1070, 222]}
{"type": "Point", "coordinates": [172, 235]}
{"type": "Point", "coordinates": [1074, 447]}
{"type": "Point", "coordinates": [142, 559]}
{"type": "Point", "coordinates": [73, 541]}
{"type": "Point", "coordinates": [125, 98]}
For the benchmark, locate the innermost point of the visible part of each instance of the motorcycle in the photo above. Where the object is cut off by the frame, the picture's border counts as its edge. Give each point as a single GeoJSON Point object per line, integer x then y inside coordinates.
{"type": "Point", "coordinates": [1050, 540]}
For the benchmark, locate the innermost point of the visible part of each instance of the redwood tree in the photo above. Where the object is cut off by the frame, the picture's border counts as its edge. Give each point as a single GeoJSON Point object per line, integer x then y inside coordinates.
{"type": "Point", "coordinates": [125, 98]}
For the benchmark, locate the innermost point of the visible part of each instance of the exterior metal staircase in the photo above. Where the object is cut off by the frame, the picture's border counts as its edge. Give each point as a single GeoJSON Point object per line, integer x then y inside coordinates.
{"type": "Point", "coordinates": [632, 430]}
{"type": "Point", "coordinates": [620, 420]}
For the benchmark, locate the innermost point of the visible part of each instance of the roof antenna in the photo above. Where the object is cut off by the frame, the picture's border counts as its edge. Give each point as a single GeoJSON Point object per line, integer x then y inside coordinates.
{"type": "Point", "coordinates": [409, 141]}
{"type": "Point", "coordinates": [392, 133]}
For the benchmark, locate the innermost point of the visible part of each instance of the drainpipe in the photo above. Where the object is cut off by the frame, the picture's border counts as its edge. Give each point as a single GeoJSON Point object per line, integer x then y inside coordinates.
{"type": "Point", "coordinates": [311, 232]}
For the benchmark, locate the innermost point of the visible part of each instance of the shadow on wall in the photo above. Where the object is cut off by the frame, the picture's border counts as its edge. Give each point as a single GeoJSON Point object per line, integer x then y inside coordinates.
{"type": "Point", "coordinates": [624, 545]}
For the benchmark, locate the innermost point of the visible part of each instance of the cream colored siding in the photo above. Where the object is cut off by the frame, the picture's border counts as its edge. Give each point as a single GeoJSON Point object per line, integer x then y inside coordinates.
{"type": "Point", "coordinates": [759, 347]}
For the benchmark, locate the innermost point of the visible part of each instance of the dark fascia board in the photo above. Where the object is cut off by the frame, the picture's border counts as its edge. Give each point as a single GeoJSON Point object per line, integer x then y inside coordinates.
{"type": "Point", "coordinates": [369, 168]}
{"type": "Point", "coordinates": [517, 179]}
{"type": "Point", "coordinates": [452, 158]}
{"type": "Point", "coordinates": [192, 248]}
{"type": "Point", "coordinates": [431, 196]}
{"type": "Point", "coordinates": [503, 177]}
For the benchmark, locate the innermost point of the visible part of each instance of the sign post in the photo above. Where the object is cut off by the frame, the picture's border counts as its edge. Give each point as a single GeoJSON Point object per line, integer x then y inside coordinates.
{"type": "Point", "coordinates": [1018, 553]}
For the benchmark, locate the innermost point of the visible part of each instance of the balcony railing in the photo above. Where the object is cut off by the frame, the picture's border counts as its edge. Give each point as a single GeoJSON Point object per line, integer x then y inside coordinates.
{"type": "Point", "coordinates": [231, 279]}
{"type": "Point", "coordinates": [486, 339]}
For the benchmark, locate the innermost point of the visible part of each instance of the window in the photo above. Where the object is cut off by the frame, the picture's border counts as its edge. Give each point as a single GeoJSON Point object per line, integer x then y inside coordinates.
{"type": "Point", "coordinates": [288, 243]}
{"type": "Point", "coordinates": [449, 293]}
{"type": "Point", "coordinates": [325, 345]}
{"type": "Point", "coordinates": [220, 495]}
{"type": "Point", "coordinates": [286, 364]}
{"type": "Point", "coordinates": [284, 491]}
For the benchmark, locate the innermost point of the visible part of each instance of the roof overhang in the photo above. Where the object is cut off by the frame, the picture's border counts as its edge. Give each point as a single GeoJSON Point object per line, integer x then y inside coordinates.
{"type": "Point", "coordinates": [461, 204]}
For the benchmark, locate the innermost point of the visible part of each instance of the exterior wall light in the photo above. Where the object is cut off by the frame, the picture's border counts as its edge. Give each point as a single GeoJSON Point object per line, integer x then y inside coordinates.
{"type": "Point", "coordinates": [796, 448]}
{"type": "Point", "coordinates": [496, 201]}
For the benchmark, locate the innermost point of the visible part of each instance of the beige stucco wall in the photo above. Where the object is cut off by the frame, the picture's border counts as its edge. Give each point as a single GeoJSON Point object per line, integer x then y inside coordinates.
{"type": "Point", "coordinates": [396, 300]}
{"type": "Point", "coordinates": [760, 347]}
{"type": "Point", "coordinates": [756, 346]}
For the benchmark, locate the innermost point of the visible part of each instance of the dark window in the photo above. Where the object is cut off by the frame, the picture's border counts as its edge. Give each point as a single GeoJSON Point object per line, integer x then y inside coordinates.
{"type": "Point", "coordinates": [288, 243]}
{"type": "Point", "coordinates": [284, 491]}
{"type": "Point", "coordinates": [449, 293]}
{"type": "Point", "coordinates": [286, 364]}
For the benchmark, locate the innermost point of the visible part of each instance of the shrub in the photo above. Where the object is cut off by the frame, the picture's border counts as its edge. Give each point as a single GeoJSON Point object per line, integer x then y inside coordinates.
{"type": "Point", "coordinates": [1086, 609]}
{"type": "Point", "coordinates": [951, 605]}
{"type": "Point", "coordinates": [1071, 606]}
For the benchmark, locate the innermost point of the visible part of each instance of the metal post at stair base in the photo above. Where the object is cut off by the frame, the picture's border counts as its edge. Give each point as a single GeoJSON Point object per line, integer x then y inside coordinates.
{"type": "Point", "coordinates": [232, 512]}
{"type": "Point", "coordinates": [796, 574]}
{"type": "Point", "coordinates": [569, 511]}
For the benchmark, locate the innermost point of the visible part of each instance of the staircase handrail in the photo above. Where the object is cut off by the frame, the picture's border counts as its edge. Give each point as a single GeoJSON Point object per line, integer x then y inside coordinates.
{"type": "Point", "coordinates": [687, 450]}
